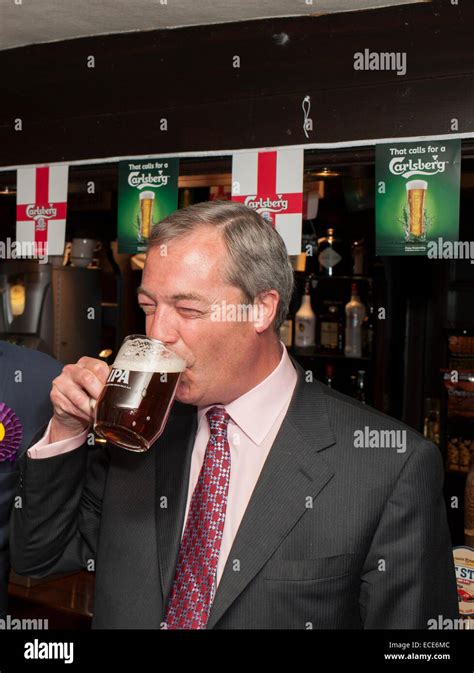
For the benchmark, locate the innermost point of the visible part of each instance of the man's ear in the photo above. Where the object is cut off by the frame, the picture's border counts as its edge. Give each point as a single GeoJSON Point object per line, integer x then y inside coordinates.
{"type": "Point", "coordinates": [265, 309]}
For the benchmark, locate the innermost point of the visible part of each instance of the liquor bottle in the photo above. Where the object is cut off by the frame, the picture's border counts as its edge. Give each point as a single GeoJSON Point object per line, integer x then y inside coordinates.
{"type": "Point", "coordinates": [360, 386]}
{"type": "Point", "coordinates": [329, 375]}
{"type": "Point", "coordinates": [469, 506]}
{"type": "Point", "coordinates": [286, 330]}
{"type": "Point", "coordinates": [330, 335]}
{"type": "Point", "coordinates": [355, 314]}
{"type": "Point", "coordinates": [329, 254]}
{"type": "Point", "coordinates": [359, 258]}
{"type": "Point", "coordinates": [305, 321]}
{"type": "Point", "coordinates": [431, 420]}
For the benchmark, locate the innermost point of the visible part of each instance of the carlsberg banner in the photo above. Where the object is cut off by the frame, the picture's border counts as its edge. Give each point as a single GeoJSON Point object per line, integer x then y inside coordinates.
{"type": "Point", "coordinates": [148, 192]}
{"type": "Point", "coordinates": [417, 195]}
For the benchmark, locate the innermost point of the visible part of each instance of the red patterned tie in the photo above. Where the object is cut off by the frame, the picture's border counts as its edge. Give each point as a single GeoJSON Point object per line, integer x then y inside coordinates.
{"type": "Point", "coordinates": [193, 589]}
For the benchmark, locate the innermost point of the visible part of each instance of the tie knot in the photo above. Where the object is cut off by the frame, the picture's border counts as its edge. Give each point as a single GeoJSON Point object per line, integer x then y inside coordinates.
{"type": "Point", "coordinates": [218, 420]}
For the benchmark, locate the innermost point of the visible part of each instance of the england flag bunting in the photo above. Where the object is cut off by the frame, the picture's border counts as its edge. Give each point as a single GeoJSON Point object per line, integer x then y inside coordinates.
{"type": "Point", "coordinates": [41, 208]}
{"type": "Point", "coordinates": [272, 183]}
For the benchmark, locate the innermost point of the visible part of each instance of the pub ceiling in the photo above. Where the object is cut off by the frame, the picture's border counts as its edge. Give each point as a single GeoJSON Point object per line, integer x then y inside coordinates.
{"type": "Point", "coordinates": [23, 22]}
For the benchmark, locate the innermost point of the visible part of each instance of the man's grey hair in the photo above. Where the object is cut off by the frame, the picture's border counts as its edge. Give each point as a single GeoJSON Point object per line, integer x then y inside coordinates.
{"type": "Point", "coordinates": [258, 259]}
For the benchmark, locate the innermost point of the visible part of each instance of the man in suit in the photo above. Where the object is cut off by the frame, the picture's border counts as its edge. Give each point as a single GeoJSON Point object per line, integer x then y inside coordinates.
{"type": "Point", "coordinates": [260, 506]}
{"type": "Point", "coordinates": [25, 384]}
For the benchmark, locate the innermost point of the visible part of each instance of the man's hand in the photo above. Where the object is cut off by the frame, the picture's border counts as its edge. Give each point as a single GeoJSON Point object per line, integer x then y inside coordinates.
{"type": "Point", "coordinates": [72, 394]}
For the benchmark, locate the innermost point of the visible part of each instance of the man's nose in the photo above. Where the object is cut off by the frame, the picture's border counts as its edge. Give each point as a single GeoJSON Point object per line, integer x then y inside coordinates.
{"type": "Point", "coordinates": [161, 325]}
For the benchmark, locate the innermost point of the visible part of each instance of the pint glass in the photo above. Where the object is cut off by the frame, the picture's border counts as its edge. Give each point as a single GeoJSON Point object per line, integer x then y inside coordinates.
{"type": "Point", "coordinates": [146, 213]}
{"type": "Point", "coordinates": [416, 193]}
{"type": "Point", "coordinates": [135, 402]}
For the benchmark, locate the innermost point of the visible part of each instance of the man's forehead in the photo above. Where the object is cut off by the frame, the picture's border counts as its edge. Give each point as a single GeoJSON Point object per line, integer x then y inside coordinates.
{"type": "Point", "coordinates": [175, 296]}
{"type": "Point", "coordinates": [197, 269]}
{"type": "Point", "coordinates": [204, 253]}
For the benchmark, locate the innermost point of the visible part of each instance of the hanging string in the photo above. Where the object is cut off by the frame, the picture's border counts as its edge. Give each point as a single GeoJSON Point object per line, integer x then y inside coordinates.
{"type": "Point", "coordinates": [306, 105]}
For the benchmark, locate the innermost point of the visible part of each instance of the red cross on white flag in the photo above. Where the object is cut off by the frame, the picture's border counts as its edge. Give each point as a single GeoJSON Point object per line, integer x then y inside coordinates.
{"type": "Point", "coordinates": [41, 208]}
{"type": "Point", "coordinates": [220, 193]}
{"type": "Point", "coordinates": [272, 184]}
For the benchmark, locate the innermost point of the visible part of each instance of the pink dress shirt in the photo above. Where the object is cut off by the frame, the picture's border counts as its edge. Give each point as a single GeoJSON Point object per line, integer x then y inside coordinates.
{"type": "Point", "coordinates": [255, 418]}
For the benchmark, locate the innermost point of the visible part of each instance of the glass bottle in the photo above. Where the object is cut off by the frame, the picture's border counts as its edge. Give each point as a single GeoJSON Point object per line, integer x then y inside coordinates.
{"type": "Point", "coordinates": [431, 419]}
{"type": "Point", "coordinates": [329, 254]}
{"type": "Point", "coordinates": [286, 330]}
{"type": "Point", "coordinates": [355, 314]}
{"type": "Point", "coordinates": [330, 335]}
{"type": "Point", "coordinates": [360, 386]}
{"type": "Point", "coordinates": [329, 375]}
{"type": "Point", "coordinates": [359, 258]}
{"type": "Point", "coordinates": [305, 321]}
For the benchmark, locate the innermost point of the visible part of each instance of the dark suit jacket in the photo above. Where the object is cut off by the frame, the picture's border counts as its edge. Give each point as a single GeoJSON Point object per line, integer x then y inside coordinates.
{"type": "Point", "coordinates": [29, 399]}
{"type": "Point", "coordinates": [333, 537]}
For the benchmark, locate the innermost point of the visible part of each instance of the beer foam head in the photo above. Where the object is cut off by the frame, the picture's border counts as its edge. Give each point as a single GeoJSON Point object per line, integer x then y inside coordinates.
{"type": "Point", "coordinates": [141, 354]}
{"type": "Point", "coordinates": [417, 184]}
{"type": "Point", "coordinates": [147, 195]}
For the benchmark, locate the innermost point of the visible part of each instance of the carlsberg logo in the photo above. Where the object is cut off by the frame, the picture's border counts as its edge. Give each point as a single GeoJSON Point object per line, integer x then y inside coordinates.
{"type": "Point", "coordinates": [268, 204]}
{"type": "Point", "coordinates": [408, 167]}
{"type": "Point", "coordinates": [118, 376]}
{"type": "Point", "coordinates": [34, 212]}
{"type": "Point", "coordinates": [141, 180]}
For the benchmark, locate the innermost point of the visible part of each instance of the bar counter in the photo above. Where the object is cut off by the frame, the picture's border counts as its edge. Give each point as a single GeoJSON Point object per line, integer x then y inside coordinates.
{"type": "Point", "coordinates": [65, 601]}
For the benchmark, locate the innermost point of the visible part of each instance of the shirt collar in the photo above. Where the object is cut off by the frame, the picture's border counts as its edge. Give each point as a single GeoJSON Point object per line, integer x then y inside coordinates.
{"type": "Point", "coordinates": [256, 411]}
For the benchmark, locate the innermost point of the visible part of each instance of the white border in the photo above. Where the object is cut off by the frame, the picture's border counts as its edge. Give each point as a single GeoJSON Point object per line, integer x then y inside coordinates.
{"type": "Point", "coordinates": [228, 152]}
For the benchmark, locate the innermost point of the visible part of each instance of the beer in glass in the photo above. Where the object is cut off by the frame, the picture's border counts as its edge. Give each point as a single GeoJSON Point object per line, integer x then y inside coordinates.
{"type": "Point", "coordinates": [135, 402]}
{"type": "Point", "coordinates": [146, 213]}
{"type": "Point", "coordinates": [416, 193]}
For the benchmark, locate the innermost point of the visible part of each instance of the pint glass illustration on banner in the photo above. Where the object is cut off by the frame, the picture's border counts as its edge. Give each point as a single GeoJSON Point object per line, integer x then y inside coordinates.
{"type": "Point", "coordinates": [136, 400]}
{"type": "Point", "coordinates": [416, 194]}
{"type": "Point", "coordinates": [146, 213]}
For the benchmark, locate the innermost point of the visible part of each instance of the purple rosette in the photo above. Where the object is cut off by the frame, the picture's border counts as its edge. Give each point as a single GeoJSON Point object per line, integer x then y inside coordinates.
{"type": "Point", "coordinates": [11, 434]}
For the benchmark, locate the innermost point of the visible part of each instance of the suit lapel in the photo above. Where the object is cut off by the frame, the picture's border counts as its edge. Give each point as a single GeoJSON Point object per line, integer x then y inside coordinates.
{"type": "Point", "coordinates": [292, 472]}
{"type": "Point", "coordinates": [173, 461]}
